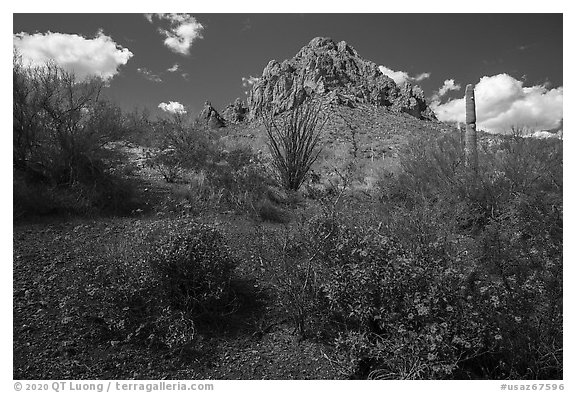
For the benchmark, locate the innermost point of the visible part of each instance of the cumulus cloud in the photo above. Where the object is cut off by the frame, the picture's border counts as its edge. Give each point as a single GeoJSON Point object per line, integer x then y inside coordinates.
{"type": "Point", "coordinates": [172, 107]}
{"type": "Point", "coordinates": [99, 56]}
{"type": "Point", "coordinates": [149, 75]}
{"type": "Point", "coordinates": [503, 102]}
{"type": "Point", "coordinates": [174, 68]}
{"type": "Point", "coordinates": [448, 85]}
{"type": "Point", "coordinates": [422, 76]}
{"type": "Point", "coordinates": [249, 81]}
{"type": "Point", "coordinates": [401, 77]}
{"type": "Point", "coordinates": [182, 31]}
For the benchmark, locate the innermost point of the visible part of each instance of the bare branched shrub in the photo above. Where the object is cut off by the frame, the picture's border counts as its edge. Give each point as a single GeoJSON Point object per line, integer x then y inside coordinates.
{"type": "Point", "coordinates": [184, 145]}
{"type": "Point", "coordinates": [289, 261]}
{"type": "Point", "coordinates": [293, 141]}
{"type": "Point", "coordinates": [62, 127]}
{"type": "Point", "coordinates": [60, 123]}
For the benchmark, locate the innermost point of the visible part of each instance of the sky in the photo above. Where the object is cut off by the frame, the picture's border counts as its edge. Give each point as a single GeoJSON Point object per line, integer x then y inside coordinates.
{"type": "Point", "coordinates": [176, 62]}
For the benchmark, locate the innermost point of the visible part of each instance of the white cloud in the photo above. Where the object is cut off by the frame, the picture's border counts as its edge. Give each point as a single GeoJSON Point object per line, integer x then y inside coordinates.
{"type": "Point", "coordinates": [448, 85]}
{"type": "Point", "coordinates": [502, 102]}
{"type": "Point", "coordinates": [174, 68]}
{"type": "Point", "coordinates": [172, 107]}
{"type": "Point", "coordinates": [249, 81]}
{"type": "Point", "coordinates": [98, 56]}
{"type": "Point", "coordinates": [149, 75]}
{"type": "Point", "coordinates": [401, 77]}
{"type": "Point", "coordinates": [422, 76]}
{"type": "Point", "coordinates": [183, 30]}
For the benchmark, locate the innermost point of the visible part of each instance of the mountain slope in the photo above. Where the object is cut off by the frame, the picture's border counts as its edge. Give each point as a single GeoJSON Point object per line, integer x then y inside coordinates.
{"type": "Point", "coordinates": [337, 72]}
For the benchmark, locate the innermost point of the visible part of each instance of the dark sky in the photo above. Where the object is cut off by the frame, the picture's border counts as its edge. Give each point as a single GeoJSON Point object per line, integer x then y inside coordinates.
{"type": "Point", "coordinates": [463, 47]}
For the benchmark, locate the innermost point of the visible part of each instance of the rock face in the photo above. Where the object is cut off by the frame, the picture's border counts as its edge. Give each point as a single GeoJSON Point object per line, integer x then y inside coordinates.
{"type": "Point", "coordinates": [236, 112]}
{"type": "Point", "coordinates": [211, 117]}
{"type": "Point", "coordinates": [336, 71]}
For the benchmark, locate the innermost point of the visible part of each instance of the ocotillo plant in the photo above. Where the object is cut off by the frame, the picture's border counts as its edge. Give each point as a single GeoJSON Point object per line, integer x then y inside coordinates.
{"type": "Point", "coordinates": [293, 139]}
{"type": "Point", "coordinates": [470, 148]}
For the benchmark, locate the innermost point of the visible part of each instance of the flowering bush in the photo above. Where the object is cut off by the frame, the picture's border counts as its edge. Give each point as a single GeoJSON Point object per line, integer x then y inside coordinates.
{"type": "Point", "coordinates": [465, 280]}
{"type": "Point", "coordinates": [407, 316]}
{"type": "Point", "coordinates": [194, 267]}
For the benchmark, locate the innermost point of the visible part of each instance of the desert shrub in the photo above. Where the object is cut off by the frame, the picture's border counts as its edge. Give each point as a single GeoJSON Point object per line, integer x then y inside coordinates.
{"type": "Point", "coordinates": [168, 164]}
{"type": "Point", "coordinates": [291, 269]}
{"type": "Point", "coordinates": [429, 167]}
{"type": "Point", "coordinates": [293, 141]}
{"type": "Point", "coordinates": [139, 128]}
{"type": "Point", "coordinates": [277, 196]}
{"type": "Point", "coordinates": [268, 211]}
{"type": "Point", "coordinates": [193, 198]}
{"type": "Point", "coordinates": [522, 249]}
{"type": "Point", "coordinates": [173, 329]}
{"type": "Point", "coordinates": [183, 145]}
{"type": "Point", "coordinates": [194, 267]}
{"type": "Point", "coordinates": [151, 283]}
{"type": "Point", "coordinates": [403, 313]}
{"type": "Point", "coordinates": [427, 228]}
{"type": "Point", "coordinates": [110, 195]}
{"type": "Point", "coordinates": [31, 199]}
{"type": "Point", "coordinates": [463, 279]}
{"type": "Point", "coordinates": [61, 126]}
{"type": "Point", "coordinates": [114, 296]}
{"type": "Point", "coordinates": [432, 177]}
{"type": "Point", "coordinates": [240, 157]}
{"type": "Point", "coordinates": [297, 262]}
{"type": "Point", "coordinates": [237, 182]}
{"type": "Point", "coordinates": [242, 178]}
{"type": "Point", "coordinates": [61, 123]}
{"type": "Point", "coordinates": [113, 194]}
{"type": "Point", "coordinates": [420, 316]}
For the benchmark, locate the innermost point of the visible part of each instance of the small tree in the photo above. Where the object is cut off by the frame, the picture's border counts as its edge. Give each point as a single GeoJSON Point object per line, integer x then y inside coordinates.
{"type": "Point", "coordinates": [293, 141]}
{"type": "Point", "coordinates": [60, 122]}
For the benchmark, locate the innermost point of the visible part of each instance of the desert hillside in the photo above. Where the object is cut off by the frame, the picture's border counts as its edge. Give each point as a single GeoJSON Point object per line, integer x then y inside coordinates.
{"type": "Point", "coordinates": [328, 227]}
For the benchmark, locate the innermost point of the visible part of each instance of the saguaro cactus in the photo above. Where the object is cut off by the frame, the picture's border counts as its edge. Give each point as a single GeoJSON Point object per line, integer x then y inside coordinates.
{"type": "Point", "coordinates": [470, 149]}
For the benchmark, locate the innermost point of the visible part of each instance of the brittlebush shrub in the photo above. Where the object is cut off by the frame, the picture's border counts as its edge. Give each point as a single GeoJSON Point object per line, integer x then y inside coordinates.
{"type": "Point", "coordinates": [114, 295]}
{"type": "Point", "coordinates": [408, 316]}
{"type": "Point", "coordinates": [463, 279]}
{"type": "Point", "coordinates": [194, 267]}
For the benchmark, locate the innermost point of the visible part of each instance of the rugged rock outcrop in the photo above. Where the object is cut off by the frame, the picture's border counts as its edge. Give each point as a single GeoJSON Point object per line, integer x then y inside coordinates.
{"type": "Point", "coordinates": [211, 117]}
{"type": "Point", "coordinates": [336, 71]}
{"type": "Point", "coordinates": [236, 112]}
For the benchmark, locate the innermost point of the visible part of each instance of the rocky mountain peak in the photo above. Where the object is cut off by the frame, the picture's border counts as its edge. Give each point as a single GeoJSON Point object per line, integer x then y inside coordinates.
{"type": "Point", "coordinates": [235, 112]}
{"type": "Point", "coordinates": [210, 116]}
{"type": "Point", "coordinates": [336, 71]}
